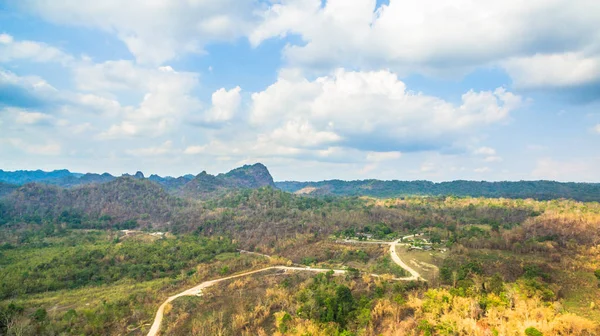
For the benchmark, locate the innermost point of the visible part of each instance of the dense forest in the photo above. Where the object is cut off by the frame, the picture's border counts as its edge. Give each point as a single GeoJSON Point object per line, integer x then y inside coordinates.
{"type": "Point", "coordinates": [98, 259]}
{"type": "Point", "coordinates": [541, 190]}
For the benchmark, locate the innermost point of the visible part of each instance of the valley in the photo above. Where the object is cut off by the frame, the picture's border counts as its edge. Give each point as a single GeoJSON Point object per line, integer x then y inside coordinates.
{"type": "Point", "coordinates": [131, 257]}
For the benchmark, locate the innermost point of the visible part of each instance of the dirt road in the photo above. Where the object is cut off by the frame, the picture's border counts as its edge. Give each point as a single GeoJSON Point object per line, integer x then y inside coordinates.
{"type": "Point", "coordinates": [198, 289]}
{"type": "Point", "coordinates": [414, 275]}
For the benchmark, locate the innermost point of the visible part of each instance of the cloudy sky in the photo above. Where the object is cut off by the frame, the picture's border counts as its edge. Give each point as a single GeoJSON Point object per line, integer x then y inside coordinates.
{"type": "Point", "coordinates": [314, 89]}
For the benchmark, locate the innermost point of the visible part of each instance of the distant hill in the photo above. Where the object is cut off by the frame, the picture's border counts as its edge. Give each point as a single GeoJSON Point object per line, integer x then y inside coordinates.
{"type": "Point", "coordinates": [124, 202]}
{"type": "Point", "coordinates": [171, 184]}
{"type": "Point", "coordinates": [27, 176]}
{"type": "Point", "coordinates": [246, 177]}
{"type": "Point", "coordinates": [254, 176]}
{"type": "Point", "coordinates": [541, 190]}
{"type": "Point", "coordinates": [200, 186]}
{"type": "Point", "coordinates": [119, 200]}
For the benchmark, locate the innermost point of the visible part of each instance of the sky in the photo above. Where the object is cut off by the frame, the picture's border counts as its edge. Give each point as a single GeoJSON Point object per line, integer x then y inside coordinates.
{"type": "Point", "coordinates": [314, 89]}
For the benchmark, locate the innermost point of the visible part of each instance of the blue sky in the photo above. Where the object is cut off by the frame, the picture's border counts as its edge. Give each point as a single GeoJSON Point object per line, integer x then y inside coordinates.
{"type": "Point", "coordinates": [349, 89]}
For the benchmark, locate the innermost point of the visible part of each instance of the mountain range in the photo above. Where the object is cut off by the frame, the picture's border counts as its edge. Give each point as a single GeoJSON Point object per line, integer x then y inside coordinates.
{"type": "Point", "coordinates": [205, 185]}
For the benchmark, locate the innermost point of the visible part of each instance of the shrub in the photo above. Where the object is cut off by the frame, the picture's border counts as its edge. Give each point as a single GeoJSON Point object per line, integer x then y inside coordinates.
{"type": "Point", "coordinates": [531, 331]}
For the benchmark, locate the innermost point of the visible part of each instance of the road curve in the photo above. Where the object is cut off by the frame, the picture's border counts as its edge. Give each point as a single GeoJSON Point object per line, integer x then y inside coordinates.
{"type": "Point", "coordinates": [414, 275]}
{"type": "Point", "coordinates": [198, 289]}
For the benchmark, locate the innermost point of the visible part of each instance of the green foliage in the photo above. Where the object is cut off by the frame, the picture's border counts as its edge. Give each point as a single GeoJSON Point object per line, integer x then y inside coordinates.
{"type": "Point", "coordinates": [541, 190]}
{"type": "Point", "coordinates": [283, 323]}
{"type": "Point", "coordinates": [496, 284]}
{"type": "Point", "coordinates": [40, 315]}
{"type": "Point", "coordinates": [326, 301]}
{"type": "Point", "coordinates": [535, 271]}
{"type": "Point", "coordinates": [425, 327]}
{"type": "Point", "coordinates": [309, 261]}
{"type": "Point", "coordinates": [531, 331]}
{"type": "Point", "coordinates": [60, 266]}
{"type": "Point", "coordinates": [597, 274]}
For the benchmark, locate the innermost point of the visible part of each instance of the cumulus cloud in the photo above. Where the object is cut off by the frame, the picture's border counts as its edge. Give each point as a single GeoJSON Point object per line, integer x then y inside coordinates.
{"type": "Point", "coordinates": [426, 32]}
{"type": "Point", "coordinates": [489, 153]}
{"type": "Point", "coordinates": [225, 105]}
{"type": "Point", "coordinates": [371, 111]}
{"type": "Point", "coordinates": [11, 50]}
{"type": "Point", "coordinates": [302, 134]}
{"type": "Point", "coordinates": [26, 91]}
{"type": "Point", "coordinates": [32, 118]}
{"type": "Point", "coordinates": [433, 38]}
{"type": "Point", "coordinates": [167, 96]}
{"type": "Point", "coordinates": [554, 70]}
{"type": "Point", "coordinates": [161, 30]}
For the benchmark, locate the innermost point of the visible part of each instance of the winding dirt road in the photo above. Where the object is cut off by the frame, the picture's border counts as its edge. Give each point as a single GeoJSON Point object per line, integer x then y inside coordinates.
{"type": "Point", "coordinates": [414, 275]}
{"type": "Point", "coordinates": [196, 291]}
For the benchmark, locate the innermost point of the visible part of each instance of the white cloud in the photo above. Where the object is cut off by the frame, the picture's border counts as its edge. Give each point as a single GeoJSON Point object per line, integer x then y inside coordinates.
{"type": "Point", "coordinates": [27, 88]}
{"type": "Point", "coordinates": [225, 105]}
{"type": "Point", "coordinates": [167, 96]}
{"type": "Point", "coordinates": [192, 150]}
{"type": "Point", "coordinates": [164, 148]}
{"type": "Point", "coordinates": [371, 111]}
{"type": "Point", "coordinates": [49, 148]}
{"type": "Point", "coordinates": [31, 118]}
{"type": "Point", "coordinates": [489, 153]}
{"type": "Point", "coordinates": [597, 129]}
{"type": "Point", "coordinates": [482, 170]}
{"type": "Point", "coordinates": [554, 70]}
{"type": "Point", "coordinates": [427, 34]}
{"type": "Point", "coordinates": [11, 50]}
{"type": "Point", "coordinates": [6, 39]}
{"type": "Point", "coordinates": [154, 31]}
{"type": "Point", "coordinates": [296, 133]}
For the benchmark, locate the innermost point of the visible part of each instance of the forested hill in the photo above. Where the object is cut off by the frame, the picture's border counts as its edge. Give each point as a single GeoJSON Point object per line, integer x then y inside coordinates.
{"type": "Point", "coordinates": [96, 205]}
{"type": "Point", "coordinates": [27, 176]}
{"type": "Point", "coordinates": [246, 177]}
{"type": "Point", "coordinates": [205, 185]}
{"type": "Point", "coordinates": [542, 190]}
{"type": "Point", "coordinates": [199, 186]}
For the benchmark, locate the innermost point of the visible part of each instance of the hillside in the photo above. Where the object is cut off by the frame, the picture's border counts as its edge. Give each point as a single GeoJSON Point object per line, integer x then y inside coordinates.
{"type": "Point", "coordinates": [27, 176]}
{"type": "Point", "coordinates": [200, 186]}
{"type": "Point", "coordinates": [95, 205]}
{"type": "Point", "coordinates": [541, 190]}
{"type": "Point", "coordinates": [490, 261]}
{"type": "Point", "coordinates": [246, 177]}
